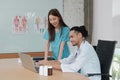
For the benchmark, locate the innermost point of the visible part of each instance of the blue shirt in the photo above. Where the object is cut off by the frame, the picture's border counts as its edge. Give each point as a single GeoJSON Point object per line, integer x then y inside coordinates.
{"type": "Point", "coordinates": [55, 45]}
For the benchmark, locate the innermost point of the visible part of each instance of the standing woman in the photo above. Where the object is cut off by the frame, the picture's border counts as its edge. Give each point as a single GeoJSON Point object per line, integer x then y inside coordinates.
{"type": "Point", "coordinates": [56, 36]}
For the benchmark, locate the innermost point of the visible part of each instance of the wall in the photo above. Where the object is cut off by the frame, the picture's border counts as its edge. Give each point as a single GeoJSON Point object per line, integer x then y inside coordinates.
{"type": "Point", "coordinates": [102, 21]}
{"type": "Point", "coordinates": [30, 41]}
{"type": "Point", "coordinates": [116, 20]}
{"type": "Point", "coordinates": [73, 12]}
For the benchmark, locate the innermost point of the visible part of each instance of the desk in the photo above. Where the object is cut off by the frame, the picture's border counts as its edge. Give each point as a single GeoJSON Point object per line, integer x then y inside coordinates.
{"type": "Point", "coordinates": [10, 69]}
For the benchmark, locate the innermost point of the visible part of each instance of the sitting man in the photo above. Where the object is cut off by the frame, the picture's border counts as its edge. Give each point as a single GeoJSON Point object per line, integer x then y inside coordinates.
{"type": "Point", "coordinates": [84, 60]}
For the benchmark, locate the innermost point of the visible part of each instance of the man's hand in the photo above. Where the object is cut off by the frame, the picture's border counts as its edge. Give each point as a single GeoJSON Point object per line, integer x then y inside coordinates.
{"type": "Point", "coordinates": [54, 63]}
{"type": "Point", "coordinates": [43, 62]}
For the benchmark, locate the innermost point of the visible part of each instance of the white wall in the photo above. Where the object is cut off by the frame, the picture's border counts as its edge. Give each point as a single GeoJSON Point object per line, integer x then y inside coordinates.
{"type": "Point", "coordinates": [102, 21]}
{"type": "Point", "coordinates": [116, 20]}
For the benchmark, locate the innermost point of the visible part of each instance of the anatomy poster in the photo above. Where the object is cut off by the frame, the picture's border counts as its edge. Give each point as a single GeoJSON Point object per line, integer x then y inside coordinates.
{"type": "Point", "coordinates": [40, 24]}
{"type": "Point", "coordinates": [20, 24]}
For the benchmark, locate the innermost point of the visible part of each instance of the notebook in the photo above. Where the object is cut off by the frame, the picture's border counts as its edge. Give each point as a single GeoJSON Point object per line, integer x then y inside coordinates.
{"type": "Point", "coordinates": [28, 62]}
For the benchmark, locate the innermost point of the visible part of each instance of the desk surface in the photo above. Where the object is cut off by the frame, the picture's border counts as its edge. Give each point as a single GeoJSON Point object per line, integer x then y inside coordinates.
{"type": "Point", "coordinates": [10, 69]}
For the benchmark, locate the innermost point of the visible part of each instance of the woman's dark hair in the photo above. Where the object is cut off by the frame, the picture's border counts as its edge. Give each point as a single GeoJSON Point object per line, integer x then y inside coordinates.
{"type": "Point", "coordinates": [51, 28]}
{"type": "Point", "coordinates": [80, 29]}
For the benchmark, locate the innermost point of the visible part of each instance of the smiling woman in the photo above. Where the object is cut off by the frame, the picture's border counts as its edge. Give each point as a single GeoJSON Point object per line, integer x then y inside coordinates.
{"type": "Point", "coordinates": [56, 36]}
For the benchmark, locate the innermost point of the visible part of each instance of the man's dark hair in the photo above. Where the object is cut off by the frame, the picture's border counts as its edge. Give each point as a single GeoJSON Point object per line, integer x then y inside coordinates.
{"type": "Point", "coordinates": [80, 29]}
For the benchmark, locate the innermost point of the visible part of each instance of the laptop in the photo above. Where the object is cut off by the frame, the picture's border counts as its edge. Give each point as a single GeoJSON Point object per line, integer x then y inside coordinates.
{"type": "Point", "coordinates": [28, 62]}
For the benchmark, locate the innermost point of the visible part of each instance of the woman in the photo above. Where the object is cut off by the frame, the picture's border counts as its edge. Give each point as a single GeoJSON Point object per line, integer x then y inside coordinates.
{"type": "Point", "coordinates": [56, 36]}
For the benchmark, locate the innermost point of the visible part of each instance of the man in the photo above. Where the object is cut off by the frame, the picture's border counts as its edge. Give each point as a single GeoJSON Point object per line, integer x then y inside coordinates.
{"type": "Point", "coordinates": [84, 60]}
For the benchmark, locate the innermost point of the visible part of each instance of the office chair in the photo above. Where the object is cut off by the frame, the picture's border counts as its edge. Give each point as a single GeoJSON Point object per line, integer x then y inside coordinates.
{"type": "Point", "coordinates": [104, 50]}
